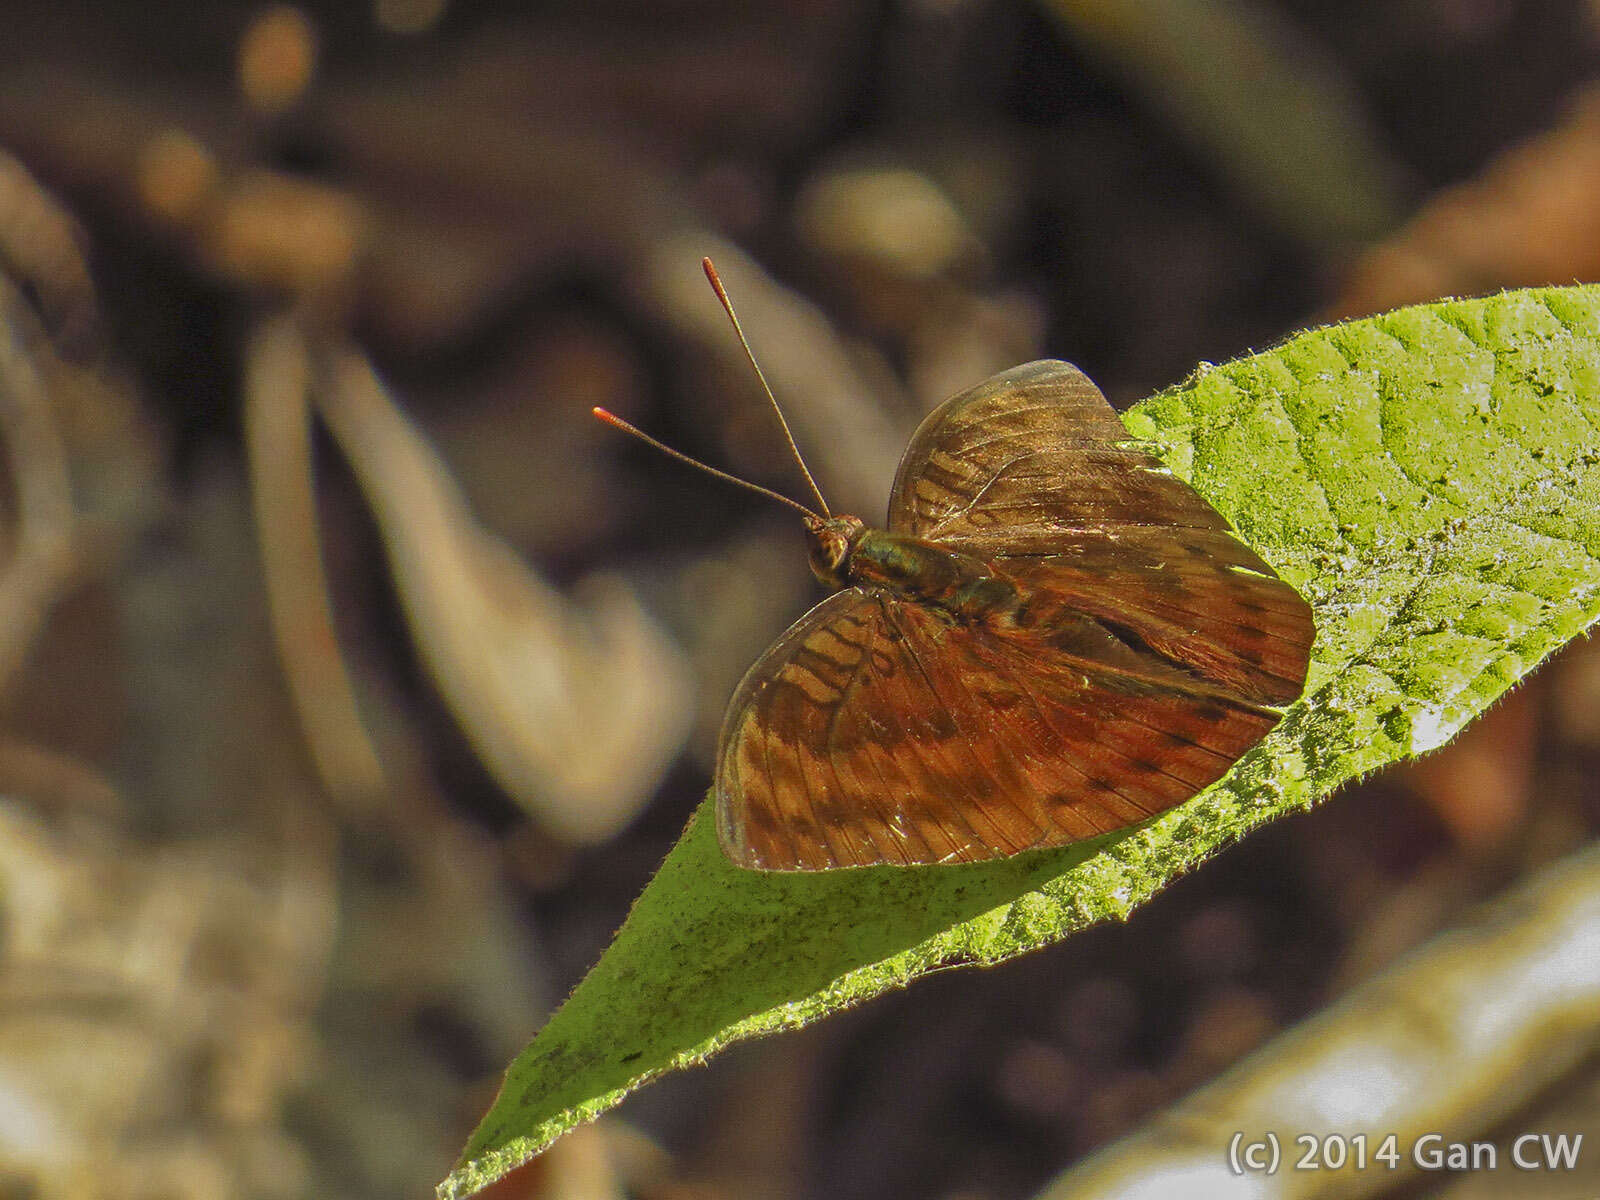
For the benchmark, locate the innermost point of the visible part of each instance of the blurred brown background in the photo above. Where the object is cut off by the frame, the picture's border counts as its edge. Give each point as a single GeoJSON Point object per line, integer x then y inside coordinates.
{"type": "Point", "coordinates": [355, 679]}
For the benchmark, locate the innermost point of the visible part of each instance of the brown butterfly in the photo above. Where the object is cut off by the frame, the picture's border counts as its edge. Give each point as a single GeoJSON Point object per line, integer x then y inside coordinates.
{"type": "Point", "coordinates": [1054, 638]}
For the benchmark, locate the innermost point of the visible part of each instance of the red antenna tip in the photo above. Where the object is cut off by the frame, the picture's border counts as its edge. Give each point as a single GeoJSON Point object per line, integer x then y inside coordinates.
{"type": "Point", "coordinates": [616, 422]}
{"type": "Point", "coordinates": [715, 279]}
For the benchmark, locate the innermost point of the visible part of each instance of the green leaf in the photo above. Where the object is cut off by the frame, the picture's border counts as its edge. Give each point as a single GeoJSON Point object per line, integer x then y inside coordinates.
{"type": "Point", "coordinates": [1429, 479]}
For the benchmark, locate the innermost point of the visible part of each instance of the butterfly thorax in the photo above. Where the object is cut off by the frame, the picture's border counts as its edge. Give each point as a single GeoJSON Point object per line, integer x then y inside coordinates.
{"type": "Point", "coordinates": [846, 552]}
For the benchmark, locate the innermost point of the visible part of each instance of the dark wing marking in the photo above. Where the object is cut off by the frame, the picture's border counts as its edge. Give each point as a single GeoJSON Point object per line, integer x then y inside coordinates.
{"type": "Point", "coordinates": [1184, 594]}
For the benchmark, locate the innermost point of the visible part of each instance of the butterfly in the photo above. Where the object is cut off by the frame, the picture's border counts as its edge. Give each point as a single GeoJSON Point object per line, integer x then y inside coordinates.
{"type": "Point", "coordinates": [1052, 638]}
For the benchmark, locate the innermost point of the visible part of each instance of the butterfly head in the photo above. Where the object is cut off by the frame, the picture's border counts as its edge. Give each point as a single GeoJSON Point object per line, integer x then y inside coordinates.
{"type": "Point", "coordinates": [832, 540]}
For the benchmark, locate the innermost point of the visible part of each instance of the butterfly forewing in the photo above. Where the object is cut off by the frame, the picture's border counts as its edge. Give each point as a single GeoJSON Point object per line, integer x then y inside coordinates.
{"type": "Point", "coordinates": [890, 736]}
{"type": "Point", "coordinates": [824, 755]}
{"type": "Point", "coordinates": [1131, 675]}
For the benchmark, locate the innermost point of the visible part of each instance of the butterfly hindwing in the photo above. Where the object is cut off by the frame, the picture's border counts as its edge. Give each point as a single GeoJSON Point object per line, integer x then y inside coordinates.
{"type": "Point", "coordinates": [1174, 592]}
{"type": "Point", "coordinates": [1033, 470]}
{"type": "Point", "coordinates": [1008, 466]}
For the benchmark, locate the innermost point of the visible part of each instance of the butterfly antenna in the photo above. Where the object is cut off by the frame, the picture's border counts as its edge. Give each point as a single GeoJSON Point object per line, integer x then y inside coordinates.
{"type": "Point", "coordinates": [722, 295]}
{"type": "Point", "coordinates": [618, 423]}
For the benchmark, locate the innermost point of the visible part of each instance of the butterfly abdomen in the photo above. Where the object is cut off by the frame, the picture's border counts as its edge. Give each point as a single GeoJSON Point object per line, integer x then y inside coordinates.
{"type": "Point", "coordinates": [959, 584]}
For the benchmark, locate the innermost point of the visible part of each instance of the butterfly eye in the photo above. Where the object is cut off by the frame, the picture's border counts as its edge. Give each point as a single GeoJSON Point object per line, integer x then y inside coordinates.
{"type": "Point", "coordinates": [831, 540]}
{"type": "Point", "coordinates": [829, 549]}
